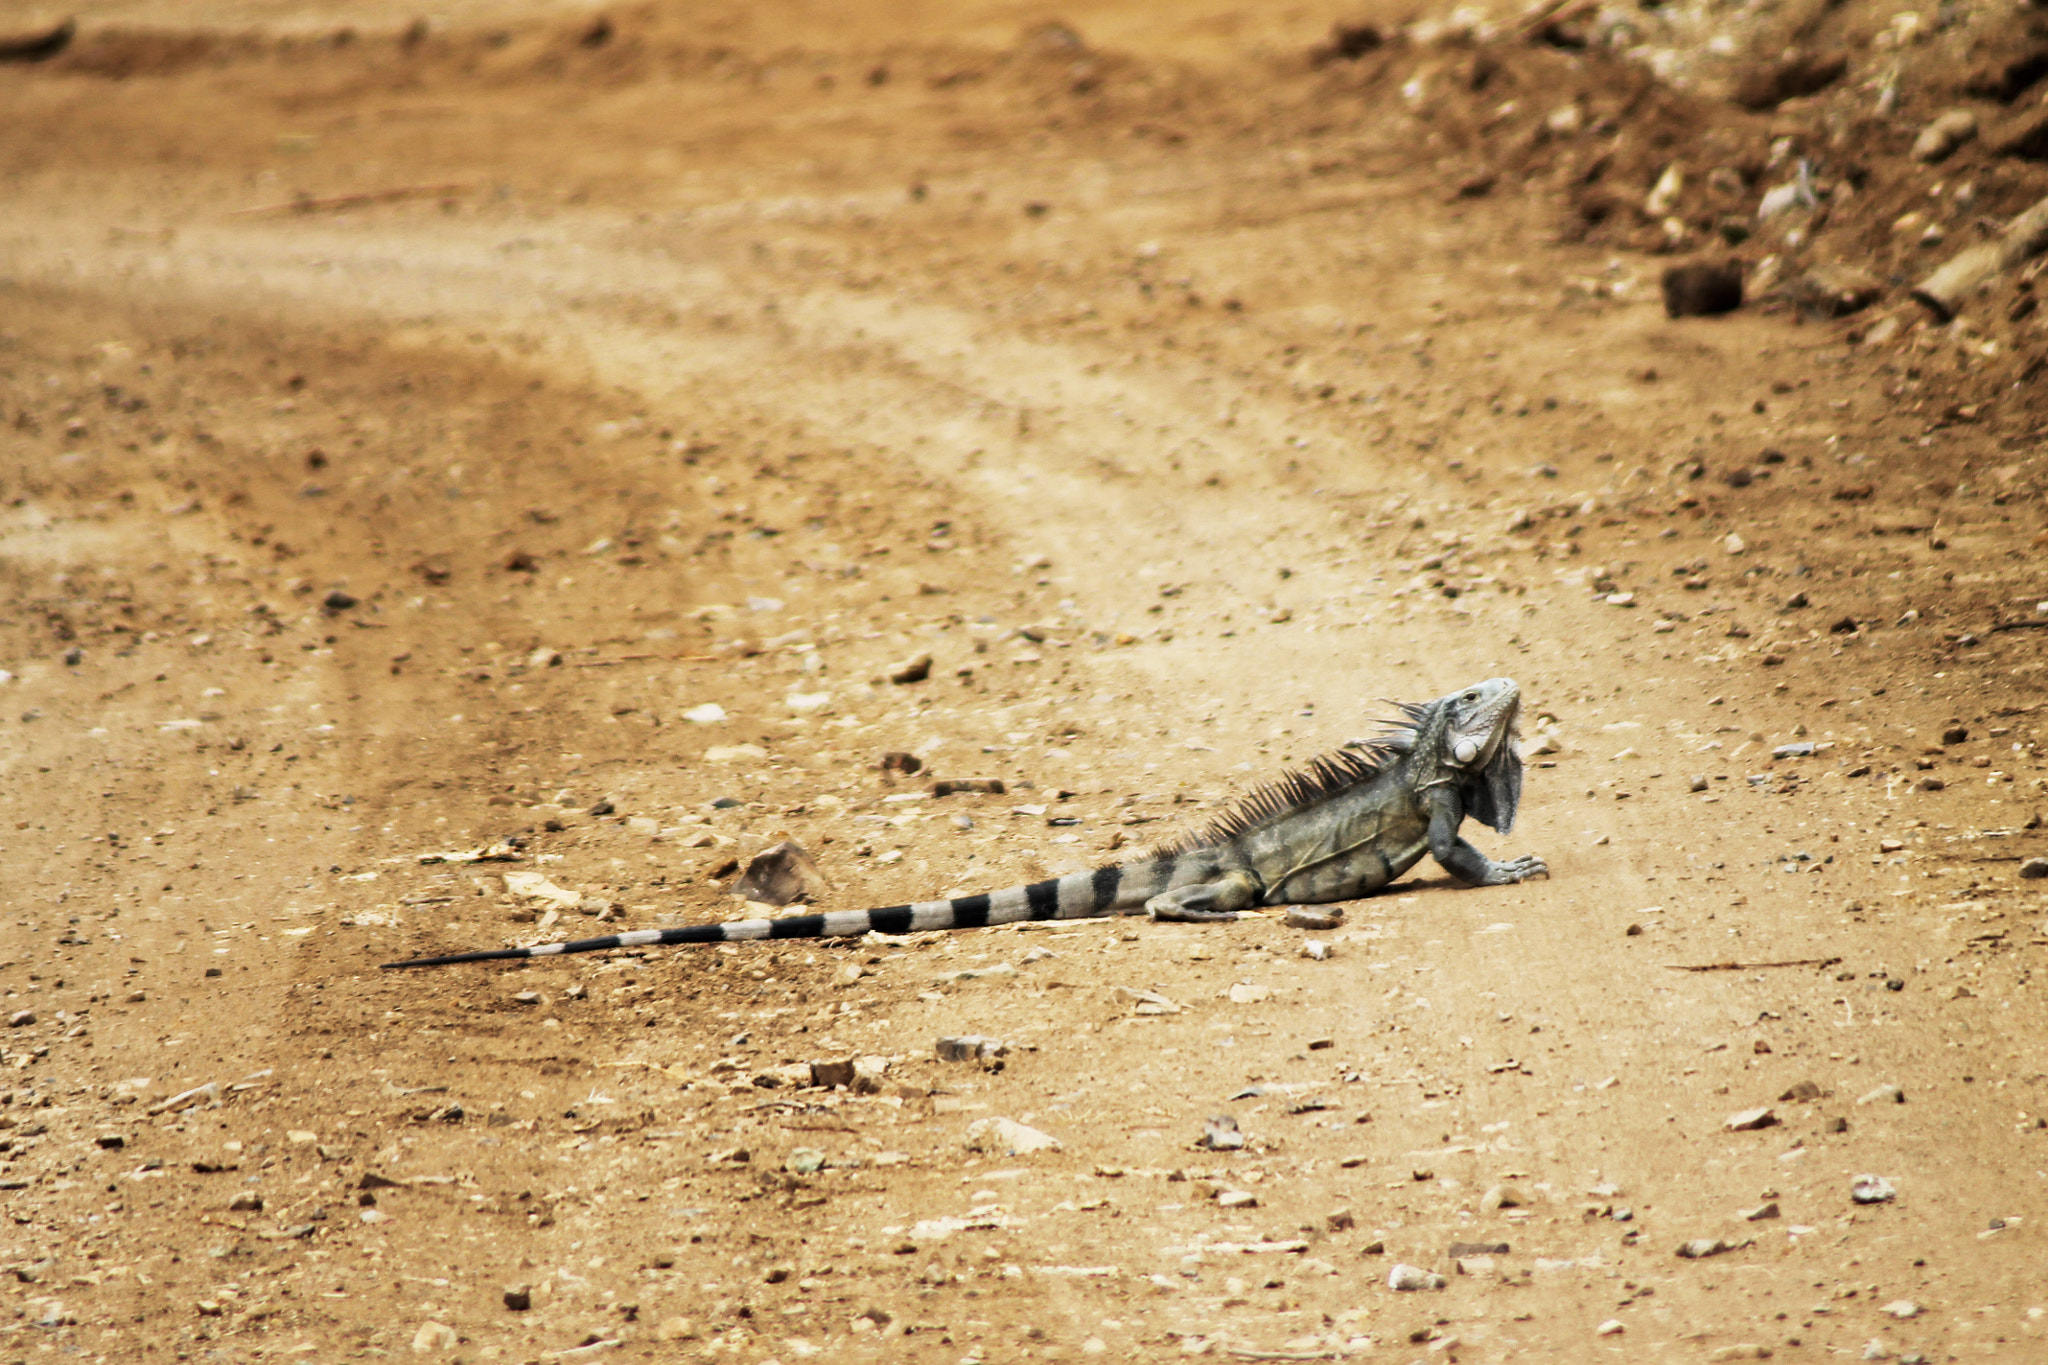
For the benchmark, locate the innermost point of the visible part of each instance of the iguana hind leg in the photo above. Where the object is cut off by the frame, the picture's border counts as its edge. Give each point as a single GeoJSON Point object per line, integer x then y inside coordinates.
{"type": "Point", "coordinates": [1203, 902]}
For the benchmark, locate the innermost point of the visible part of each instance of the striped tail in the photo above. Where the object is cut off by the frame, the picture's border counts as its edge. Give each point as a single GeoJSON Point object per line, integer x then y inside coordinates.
{"type": "Point", "coordinates": [1071, 897]}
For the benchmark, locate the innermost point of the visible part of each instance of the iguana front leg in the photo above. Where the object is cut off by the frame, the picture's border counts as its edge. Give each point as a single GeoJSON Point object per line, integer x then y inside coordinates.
{"type": "Point", "coordinates": [1206, 901]}
{"type": "Point", "coordinates": [1462, 859]}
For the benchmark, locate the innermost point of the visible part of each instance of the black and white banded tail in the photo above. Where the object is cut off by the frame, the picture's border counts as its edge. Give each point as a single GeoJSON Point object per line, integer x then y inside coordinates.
{"type": "Point", "coordinates": [1076, 896]}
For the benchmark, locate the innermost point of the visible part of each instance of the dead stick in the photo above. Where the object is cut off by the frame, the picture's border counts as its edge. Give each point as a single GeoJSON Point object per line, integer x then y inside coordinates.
{"type": "Point", "coordinates": [1751, 966]}
{"type": "Point", "coordinates": [2020, 625]}
{"type": "Point", "coordinates": [349, 201]}
{"type": "Point", "coordinates": [2024, 238]}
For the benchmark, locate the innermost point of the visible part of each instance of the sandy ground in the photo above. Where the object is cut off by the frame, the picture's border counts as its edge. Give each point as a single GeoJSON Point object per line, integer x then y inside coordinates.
{"type": "Point", "coordinates": [401, 437]}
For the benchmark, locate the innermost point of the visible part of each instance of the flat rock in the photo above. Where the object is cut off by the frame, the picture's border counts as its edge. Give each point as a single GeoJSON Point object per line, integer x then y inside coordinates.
{"type": "Point", "coordinates": [1884, 1094]}
{"type": "Point", "coordinates": [1699, 1248]}
{"type": "Point", "coordinates": [1749, 1120]}
{"type": "Point", "coordinates": [1872, 1189]}
{"type": "Point", "coordinates": [1407, 1278]}
{"type": "Point", "coordinates": [1007, 1137]}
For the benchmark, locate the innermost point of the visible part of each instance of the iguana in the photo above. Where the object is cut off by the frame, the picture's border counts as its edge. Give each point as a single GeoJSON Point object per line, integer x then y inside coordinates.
{"type": "Point", "coordinates": [1340, 828]}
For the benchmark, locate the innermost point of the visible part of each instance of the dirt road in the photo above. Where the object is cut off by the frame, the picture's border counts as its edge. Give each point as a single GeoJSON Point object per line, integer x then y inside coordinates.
{"type": "Point", "coordinates": [540, 435]}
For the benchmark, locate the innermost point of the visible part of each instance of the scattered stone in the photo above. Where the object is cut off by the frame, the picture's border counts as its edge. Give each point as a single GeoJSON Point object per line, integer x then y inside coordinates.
{"type": "Point", "coordinates": [1475, 1267]}
{"type": "Point", "coordinates": [1874, 1349]}
{"type": "Point", "coordinates": [1834, 291]}
{"type": "Point", "coordinates": [1340, 1221]}
{"type": "Point", "coordinates": [1884, 1094]}
{"type": "Point", "coordinates": [1459, 1250]}
{"type": "Point", "coordinates": [1733, 543]}
{"type": "Point", "coordinates": [111, 1142]}
{"type": "Point", "coordinates": [780, 875]}
{"type": "Point", "coordinates": [1613, 1327]}
{"type": "Point", "coordinates": [1872, 1189]}
{"type": "Point", "coordinates": [1237, 1199]}
{"type": "Point", "coordinates": [832, 1075]}
{"type": "Point", "coordinates": [1313, 917]}
{"type": "Point", "coordinates": [913, 670]}
{"type": "Point", "coordinates": [1798, 73]}
{"type": "Point", "coordinates": [1249, 993]}
{"type": "Point", "coordinates": [1316, 949]}
{"type": "Point", "coordinates": [1955, 734]}
{"type": "Point", "coordinates": [2034, 869]}
{"type": "Point", "coordinates": [971, 1048]}
{"type": "Point", "coordinates": [1902, 1308]}
{"type": "Point", "coordinates": [992, 786]}
{"type": "Point", "coordinates": [1940, 138]}
{"type": "Point", "coordinates": [897, 761]}
{"type": "Point", "coordinates": [1699, 783]}
{"type": "Point", "coordinates": [1799, 749]}
{"type": "Point", "coordinates": [1702, 290]}
{"type": "Point", "coordinates": [1742, 1350]}
{"type": "Point", "coordinates": [527, 998]}
{"type": "Point", "coordinates": [338, 601]}
{"type": "Point", "coordinates": [519, 1297]}
{"type": "Point", "coordinates": [1502, 1197]}
{"type": "Point", "coordinates": [534, 886]}
{"type": "Point", "coordinates": [1800, 1092]}
{"type": "Point", "coordinates": [434, 1336]}
{"type": "Point", "coordinates": [1750, 1120]}
{"type": "Point", "coordinates": [1761, 1213]}
{"type": "Point", "coordinates": [1406, 1278]}
{"type": "Point", "coordinates": [806, 1161]}
{"type": "Point", "coordinates": [1007, 1137]}
{"type": "Point", "coordinates": [21, 1018]}
{"type": "Point", "coordinates": [1699, 1248]}
{"type": "Point", "coordinates": [1221, 1134]}
{"type": "Point", "coordinates": [246, 1202]}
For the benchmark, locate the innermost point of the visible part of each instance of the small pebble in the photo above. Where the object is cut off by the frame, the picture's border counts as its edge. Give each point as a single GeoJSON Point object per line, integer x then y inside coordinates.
{"type": "Point", "coordinates": [1317, 949]}
{"type": "Point", "coordinates": [21, 1018]}
{"type": "Point", "coordinates": [1872, 1189]}
{"type": "Point", "coordinates": [1750, 1120]}
{"type": "Point", "coordinates": [1313, 917]}
{"type": "Point", "coordinates": [1760, 1213]}
{"type": "Point", "coordinates": [1237, 1199]}
{"type": "Point", "coordinates": [1902, 1308]}
{"type": "Point", "coordinates": [1884, 1094]}
{"type": "Point", "coordinates": [2034, 869]}
{"type": "Point", "coordinates": [433, 1337]}
{"type": "Point", "coordinates": [1221, 1134]}
{"type": "Point", "coordinates": [1699, 1248]}
{"type": "Point", "coordinates": [1407, 1278]}
{"type": "Point", "coordinates": [1613, 1327]}
{"type": "Point", "coordinates": [519, 1297]}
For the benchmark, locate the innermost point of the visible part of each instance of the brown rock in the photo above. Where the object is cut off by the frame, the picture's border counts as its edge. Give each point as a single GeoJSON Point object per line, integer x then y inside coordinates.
{"type": "Point", "coordinates": [1701, 289]}
{"type": "Point", "coordinates": [2024, 134]}
{"type": "Point", "coordinates": [1795, 74]}
{"type": "Point", "coordinates": [1835, 291]}
{"type": "Point", "coordinates": [780, 875]}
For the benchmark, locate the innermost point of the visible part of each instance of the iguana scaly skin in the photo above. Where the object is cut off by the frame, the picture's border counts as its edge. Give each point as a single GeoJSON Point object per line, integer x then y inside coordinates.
{"type": "Point", "coordinates": [1341, 828]}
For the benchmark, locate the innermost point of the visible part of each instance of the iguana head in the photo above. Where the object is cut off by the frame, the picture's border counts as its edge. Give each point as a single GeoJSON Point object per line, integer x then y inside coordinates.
{"type": "Point", "coordinates": [1479, 720]}
{"type": "Point", "coordinates": [1479, 744]}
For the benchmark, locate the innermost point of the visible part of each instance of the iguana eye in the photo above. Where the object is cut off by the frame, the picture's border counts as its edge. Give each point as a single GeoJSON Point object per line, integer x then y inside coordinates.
{"type": "Point", "coordinates": [1470, 696]}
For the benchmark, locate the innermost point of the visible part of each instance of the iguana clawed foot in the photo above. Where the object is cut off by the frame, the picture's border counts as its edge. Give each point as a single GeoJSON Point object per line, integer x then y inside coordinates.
{"type": "Point", "coordinates": [1206, 902]}
{"type": "Point", "coordinates": [1515, 870]}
